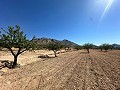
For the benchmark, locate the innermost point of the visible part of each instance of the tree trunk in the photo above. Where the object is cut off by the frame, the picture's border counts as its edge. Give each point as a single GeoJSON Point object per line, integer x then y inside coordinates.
{"type": "Point", "coordinates": [106, 50]}
{"type": "Point", "coordinates": [15, 61]}
{"type": "Point", "coordinates": [55, 53]}
{"type": "Point", "coordinates": [88, 50]}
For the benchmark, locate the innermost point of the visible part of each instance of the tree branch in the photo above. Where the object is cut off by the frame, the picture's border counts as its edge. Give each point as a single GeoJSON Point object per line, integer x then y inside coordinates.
{"type": "Point", "coordinates": [23, 51]}
{"type": "Point", "coordinates": [11, 51]}
{"type": "Point", "coordinates": [18, 51]}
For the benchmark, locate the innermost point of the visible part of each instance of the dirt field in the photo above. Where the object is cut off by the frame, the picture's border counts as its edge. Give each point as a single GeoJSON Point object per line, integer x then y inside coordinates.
{"type": "Point", "coordinates": [74, 70]}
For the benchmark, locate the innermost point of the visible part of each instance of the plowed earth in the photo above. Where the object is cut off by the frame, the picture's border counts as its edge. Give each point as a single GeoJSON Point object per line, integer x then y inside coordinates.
{"type": "Point", "coordinates": [74, 70]}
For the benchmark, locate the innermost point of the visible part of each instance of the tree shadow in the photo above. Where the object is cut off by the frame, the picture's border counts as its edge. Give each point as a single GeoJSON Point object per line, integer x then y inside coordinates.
{"type": "Point", "coordinates": [45, 56]}
{"type": "Point", "coordinates": [8, 64]}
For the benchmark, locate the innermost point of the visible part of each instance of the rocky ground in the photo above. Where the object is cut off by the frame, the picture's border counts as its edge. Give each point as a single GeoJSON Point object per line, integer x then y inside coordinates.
{"type": "Point", "coordinates": [76, 70]}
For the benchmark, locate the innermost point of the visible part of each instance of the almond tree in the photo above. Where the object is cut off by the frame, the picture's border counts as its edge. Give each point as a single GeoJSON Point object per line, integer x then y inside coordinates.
{"type": "Point", "coordinates": [88, 46]}
{"type": "Point", "coordinates": [14, 38]}
{"type": "Point", "coordinates": [111, 47]}
{"type": "Point", "coordinates": [54, 46]}
{"type": "Point", "coordinates": [105, 47]}
{"type": "Point", "coordinates": [101, 47]}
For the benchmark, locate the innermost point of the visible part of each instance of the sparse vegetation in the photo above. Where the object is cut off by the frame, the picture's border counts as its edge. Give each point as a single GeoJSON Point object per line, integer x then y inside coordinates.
{"type": "Point", "coordinates": [78, 47]}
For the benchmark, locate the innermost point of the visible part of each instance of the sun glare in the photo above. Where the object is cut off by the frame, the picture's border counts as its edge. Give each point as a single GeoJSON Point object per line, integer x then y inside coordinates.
{"type": "Point", "coordinates": [107, 7]}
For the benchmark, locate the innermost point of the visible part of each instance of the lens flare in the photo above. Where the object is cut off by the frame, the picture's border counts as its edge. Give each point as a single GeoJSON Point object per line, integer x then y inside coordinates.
{"type": "Point", "coordinates": [106, 10]}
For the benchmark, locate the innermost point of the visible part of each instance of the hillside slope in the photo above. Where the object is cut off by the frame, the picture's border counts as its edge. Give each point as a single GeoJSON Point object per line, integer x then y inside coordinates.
{"type": "Point", "coordinates": [46, 41]}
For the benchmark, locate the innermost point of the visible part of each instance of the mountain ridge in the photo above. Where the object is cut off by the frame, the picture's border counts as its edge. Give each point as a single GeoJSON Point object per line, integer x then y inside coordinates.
{"type": "Point", "coordinates": [46, 41]}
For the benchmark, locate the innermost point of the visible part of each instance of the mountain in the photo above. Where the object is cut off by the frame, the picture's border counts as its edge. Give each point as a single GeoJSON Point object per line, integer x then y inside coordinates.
{"type": "Point", "coordinates": [116, 45]}
{"type": "Point", "coordinates": [68, 43]}
{"type": "Point", "coordinates": [46, 41]}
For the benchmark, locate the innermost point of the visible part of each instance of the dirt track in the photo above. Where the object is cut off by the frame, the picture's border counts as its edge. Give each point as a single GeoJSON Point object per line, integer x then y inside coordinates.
{"type": "Point", "coordinates": [75, 70]}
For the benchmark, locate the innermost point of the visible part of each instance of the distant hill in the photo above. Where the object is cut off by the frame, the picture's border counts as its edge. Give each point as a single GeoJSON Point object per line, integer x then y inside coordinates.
{"type": "Point", "coordinates": [46, 41]}
{"type": "Point", "coordinates": [69, 43]}
{"type": "Point", "coordinates": [116, 45]}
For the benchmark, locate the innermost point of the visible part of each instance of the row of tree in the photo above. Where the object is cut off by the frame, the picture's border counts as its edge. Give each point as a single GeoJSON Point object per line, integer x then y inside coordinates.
{"type": "Point", "coordinates": [14, 38]}
{"type": "Point", "coordinates": [89, 46]}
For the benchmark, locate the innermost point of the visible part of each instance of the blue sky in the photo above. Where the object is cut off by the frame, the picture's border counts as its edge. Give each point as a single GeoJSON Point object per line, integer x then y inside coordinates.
{"type": "Point", "coordinates": [75, 20]}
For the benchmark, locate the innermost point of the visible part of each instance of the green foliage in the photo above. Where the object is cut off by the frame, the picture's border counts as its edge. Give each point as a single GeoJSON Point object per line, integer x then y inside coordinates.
{"type": "Point", "coordinates": [88, 46]}
{"type": "Point", "coordinates": [15, 38]}
{"type": "Point", "coordinates": [54, 46]}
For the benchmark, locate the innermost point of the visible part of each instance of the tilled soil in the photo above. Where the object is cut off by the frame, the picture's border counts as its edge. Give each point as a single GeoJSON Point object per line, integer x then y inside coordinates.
{"type": "Point", "coordinates": [76, 70]}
